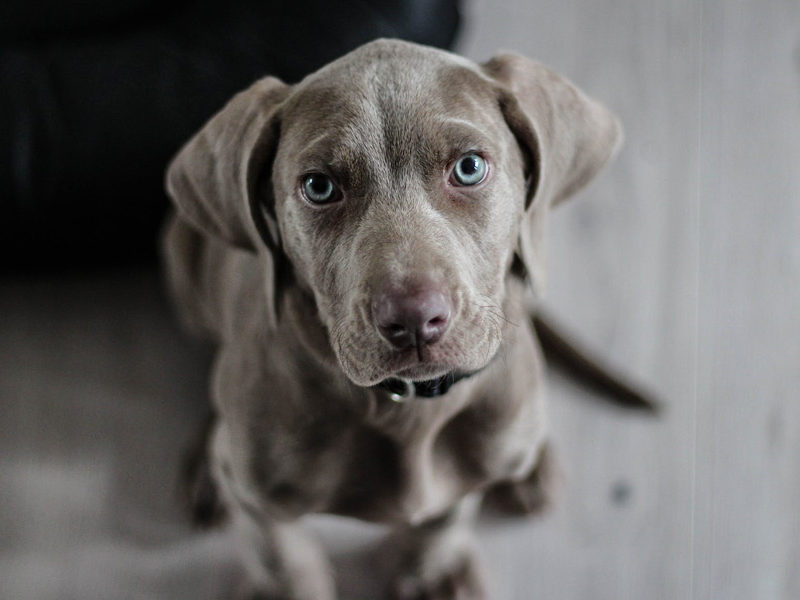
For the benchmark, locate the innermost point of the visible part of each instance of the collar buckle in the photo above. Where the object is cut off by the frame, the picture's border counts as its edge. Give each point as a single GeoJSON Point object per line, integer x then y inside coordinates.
{"type": "Point", "coordinates": [400, 390]}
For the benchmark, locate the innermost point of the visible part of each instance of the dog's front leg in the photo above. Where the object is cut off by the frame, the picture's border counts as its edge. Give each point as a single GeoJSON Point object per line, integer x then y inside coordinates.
{"type": "Point", "coordinates": [437, 559]}
{"type": "Point", "coordinates": [282, 561]}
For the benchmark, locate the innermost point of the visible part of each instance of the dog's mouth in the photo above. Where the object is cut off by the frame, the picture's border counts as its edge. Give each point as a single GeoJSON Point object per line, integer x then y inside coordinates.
{"type": "Point", "coordinates": [418, 364]}
{"type": "Point", "coordinates": [367, 360]}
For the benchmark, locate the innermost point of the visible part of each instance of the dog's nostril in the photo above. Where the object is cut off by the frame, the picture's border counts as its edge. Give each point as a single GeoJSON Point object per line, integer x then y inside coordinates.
{"type": "Point", "coordinates": [412, 319]}
{"type": "Point", "coordinates": [433, 329]}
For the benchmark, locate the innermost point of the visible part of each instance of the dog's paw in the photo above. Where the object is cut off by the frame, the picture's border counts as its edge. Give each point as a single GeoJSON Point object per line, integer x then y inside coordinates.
{"type": "Point", "coordinates": [463, 580]}
{"type": "Point", "coordinates": [534, 494]}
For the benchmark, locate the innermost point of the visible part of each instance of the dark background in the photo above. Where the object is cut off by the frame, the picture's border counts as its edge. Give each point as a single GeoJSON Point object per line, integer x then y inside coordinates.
{"type": "Point", "coordinates": [96, 96]}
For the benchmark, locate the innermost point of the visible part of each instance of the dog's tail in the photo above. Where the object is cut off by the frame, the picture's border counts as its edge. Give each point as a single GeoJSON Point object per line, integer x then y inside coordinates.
{"type": "Point", "coordinates": [588, 369]}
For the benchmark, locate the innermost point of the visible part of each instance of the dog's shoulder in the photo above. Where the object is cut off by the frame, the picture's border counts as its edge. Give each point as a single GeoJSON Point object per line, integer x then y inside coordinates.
{"type": "Point", "coordinates": [212, 284]}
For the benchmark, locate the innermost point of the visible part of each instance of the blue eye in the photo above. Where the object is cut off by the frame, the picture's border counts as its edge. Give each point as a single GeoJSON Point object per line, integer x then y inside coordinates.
{"type": "Point", "coordinates": [319, 189]}
{"type": "Point", "coordinates": [470, 169]}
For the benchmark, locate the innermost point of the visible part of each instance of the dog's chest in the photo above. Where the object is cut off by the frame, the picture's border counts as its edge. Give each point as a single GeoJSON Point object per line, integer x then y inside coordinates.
{"type": "Point", "coordinates": [404, 468]}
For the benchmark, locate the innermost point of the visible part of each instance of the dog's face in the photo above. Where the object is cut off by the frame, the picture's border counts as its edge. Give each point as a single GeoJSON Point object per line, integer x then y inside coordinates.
{"type": "Point", "coordinates": [399, 190]}
{"type": "Point", "coordinates": [399, 181]}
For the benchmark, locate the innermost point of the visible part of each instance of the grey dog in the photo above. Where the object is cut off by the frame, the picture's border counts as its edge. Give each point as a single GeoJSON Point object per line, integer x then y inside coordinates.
{"type": "Point", "coordinates": [359, 246]}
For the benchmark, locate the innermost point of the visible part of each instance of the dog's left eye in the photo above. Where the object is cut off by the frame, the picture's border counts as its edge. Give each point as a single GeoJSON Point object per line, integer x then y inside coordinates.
{"type": "Point", "coordinates": [470, 169]}
{"type": "Point", "coordinates": [319, 189]}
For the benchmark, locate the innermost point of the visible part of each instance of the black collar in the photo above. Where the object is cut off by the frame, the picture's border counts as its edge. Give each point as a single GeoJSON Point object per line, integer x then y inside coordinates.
{"type": "Point", "coordinates": [401, 390]}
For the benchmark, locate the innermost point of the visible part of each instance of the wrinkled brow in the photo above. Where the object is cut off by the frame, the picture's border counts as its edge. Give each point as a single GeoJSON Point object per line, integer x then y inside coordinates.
{"type": "Point", "coordinates": [359, 154]}
{"type": "Point", "coordinates": [462, 135]}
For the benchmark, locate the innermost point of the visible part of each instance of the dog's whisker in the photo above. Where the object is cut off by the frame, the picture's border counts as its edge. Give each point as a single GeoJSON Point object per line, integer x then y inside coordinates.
{"type": "Point", "coordinates": [497, 311]}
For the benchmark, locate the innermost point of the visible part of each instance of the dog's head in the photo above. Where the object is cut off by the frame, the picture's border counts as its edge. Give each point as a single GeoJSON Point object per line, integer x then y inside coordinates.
{"type": "Point", "coordinates": [396, 186]}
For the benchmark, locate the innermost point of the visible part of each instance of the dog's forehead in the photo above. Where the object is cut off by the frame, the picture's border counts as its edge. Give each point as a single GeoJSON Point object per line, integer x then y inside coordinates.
{"type": "Point", "coordinates": [389, 66]}
{"type": "Point", "coordinates": [388, 91]}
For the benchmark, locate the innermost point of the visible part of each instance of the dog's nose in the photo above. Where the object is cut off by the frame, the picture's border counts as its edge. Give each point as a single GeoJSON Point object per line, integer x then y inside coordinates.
{"type": "Point", "coordinates": [408, 319]}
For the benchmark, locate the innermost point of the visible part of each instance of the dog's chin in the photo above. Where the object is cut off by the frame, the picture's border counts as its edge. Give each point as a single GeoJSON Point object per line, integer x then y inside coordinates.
{"type": "Point", "coordinates": [422, 372]}
{"type": "Point", "coordinates": [407, 365]}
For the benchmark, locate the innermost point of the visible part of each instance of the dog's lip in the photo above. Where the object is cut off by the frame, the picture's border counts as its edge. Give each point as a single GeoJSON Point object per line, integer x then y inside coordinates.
{"type": "Point", "coordinates": [422, 372]}
{"type": "Point", "coordinates": [407, 365]}
{"type": "Point", "coordinates": [413, 370]}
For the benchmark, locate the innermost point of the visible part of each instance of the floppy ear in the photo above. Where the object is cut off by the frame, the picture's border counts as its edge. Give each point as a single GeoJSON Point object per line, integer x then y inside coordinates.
{"type": "Point", "coordinates": [566, 136]}
{"type": "Point", "coordinates": [213, 178]}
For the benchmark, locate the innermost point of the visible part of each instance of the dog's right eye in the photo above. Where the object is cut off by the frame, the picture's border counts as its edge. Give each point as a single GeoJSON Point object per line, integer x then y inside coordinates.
{"type": "Point", "coordinates": [471, 169]}
{"type": "Point", "coordinates": [320, 189]}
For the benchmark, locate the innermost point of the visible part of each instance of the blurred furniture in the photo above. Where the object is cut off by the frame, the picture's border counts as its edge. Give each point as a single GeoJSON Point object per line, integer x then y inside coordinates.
{"type": "Point", "coordinates": [96, 97]}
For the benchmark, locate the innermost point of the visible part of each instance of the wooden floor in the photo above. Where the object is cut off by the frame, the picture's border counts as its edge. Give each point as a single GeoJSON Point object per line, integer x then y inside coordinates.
{"type": "Point", "coordinates": [681, 263]}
